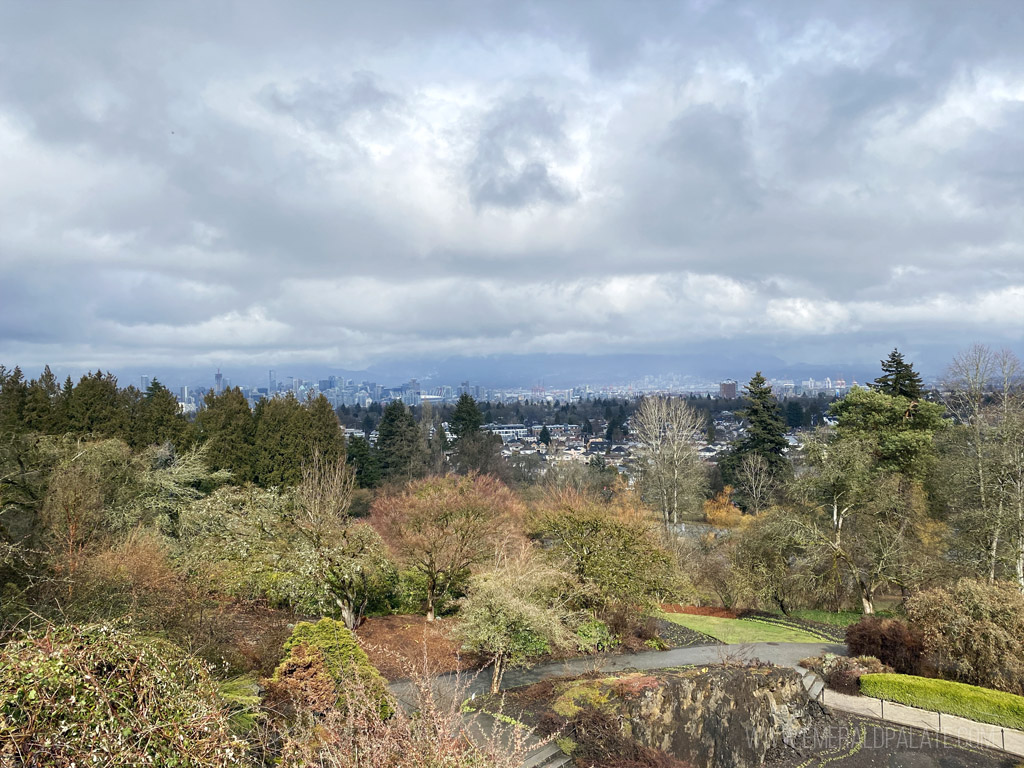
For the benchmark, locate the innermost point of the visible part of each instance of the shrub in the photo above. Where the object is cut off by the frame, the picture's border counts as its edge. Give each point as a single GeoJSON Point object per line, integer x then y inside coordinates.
{"type": "Point", "coordinates": [889, 640]}
{"type": "Point", "coordinates": [970, 701]}
{"type": "Point", "coordinates": [843, 673]}
{"type": "Point", "coordinates": [95, 695]}
{"type": "Point", "coordinates": [323, 661]}
{"type": "Point", "coordinates": [594, 635]}
{"type": "Point", "coordinates": [974, 632]}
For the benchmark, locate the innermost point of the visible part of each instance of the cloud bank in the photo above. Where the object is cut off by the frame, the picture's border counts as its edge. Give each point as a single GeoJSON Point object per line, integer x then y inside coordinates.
{"type": "Point", "coordinates": [340, 184]}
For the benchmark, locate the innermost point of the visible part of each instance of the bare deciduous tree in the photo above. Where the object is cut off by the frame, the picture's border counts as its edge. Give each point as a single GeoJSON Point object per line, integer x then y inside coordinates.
{"type": "Point", "coordinates": [670, 471]}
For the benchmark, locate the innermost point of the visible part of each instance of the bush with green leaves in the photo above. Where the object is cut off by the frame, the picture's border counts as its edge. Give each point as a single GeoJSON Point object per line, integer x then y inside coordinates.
{"type": "Point", "coordinates": [96, 695]}
{"type": "Point", "coordinates": [594, 635]}
{"type": "Point", "coordinates": [323, 660]}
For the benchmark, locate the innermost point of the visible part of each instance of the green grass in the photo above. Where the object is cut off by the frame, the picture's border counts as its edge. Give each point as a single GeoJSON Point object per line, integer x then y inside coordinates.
{"type": "Point", "coordinates": [740, 630]}
{"type": "Point", "coordinates": [981, 704]}
{"type": "Point", "coordinates": [840, 619]}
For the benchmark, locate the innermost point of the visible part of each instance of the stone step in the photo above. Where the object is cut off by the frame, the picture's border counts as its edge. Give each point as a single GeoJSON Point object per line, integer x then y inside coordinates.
{"type": "Point", "coordinates": [815, 690]}
{"type": "Point", "coordinates": [547, 756]}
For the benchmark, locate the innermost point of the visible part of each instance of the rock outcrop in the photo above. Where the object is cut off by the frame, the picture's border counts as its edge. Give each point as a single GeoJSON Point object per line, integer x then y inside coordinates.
{"type": "Point", "coordinates": [717, 716]}
{"type": "Point", "coordinates": [710, 717]}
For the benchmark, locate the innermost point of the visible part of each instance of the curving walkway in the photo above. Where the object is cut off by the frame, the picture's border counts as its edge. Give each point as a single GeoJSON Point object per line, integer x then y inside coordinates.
{"type": "Point", "coordinates": [470, 684]}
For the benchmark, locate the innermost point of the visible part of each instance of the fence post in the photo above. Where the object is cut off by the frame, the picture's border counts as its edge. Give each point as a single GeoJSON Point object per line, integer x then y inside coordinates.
{"type": "Point", "coordinates": [940, 722]}
{"type": "Point", "coordinates": [1003, 732]}
{"type": "Point", "coordinates": [883, 708]}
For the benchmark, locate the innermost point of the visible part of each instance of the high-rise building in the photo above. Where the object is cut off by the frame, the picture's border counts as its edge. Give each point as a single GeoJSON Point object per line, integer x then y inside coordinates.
{"type": "Point", "coordinates": [145, 383]}
{"type": "Point", "coordinates": [727, 389]}
{"type": "Point", "coordinates": [271, 382]}
{"type": "Point", "coordinates": [218, 382]}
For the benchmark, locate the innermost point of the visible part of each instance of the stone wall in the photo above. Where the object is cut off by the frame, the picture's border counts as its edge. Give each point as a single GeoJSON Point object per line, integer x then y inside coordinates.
{"type": "Point", "coordinates": [719, 716]}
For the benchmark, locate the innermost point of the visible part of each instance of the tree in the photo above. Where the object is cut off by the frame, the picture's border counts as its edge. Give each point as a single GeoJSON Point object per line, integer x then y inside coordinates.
{"type": "Point", "coordinates": [94, 406]}
{"type": "Point", "coordinates": [513, 614]}
{"type": "Point", "coordinates": [765, 431]}
{"type": "Point", "coordinates": [281, 441]}
{"type": "Point", "coordinates": [756, 483]}
{"type": "Point", "coordinates": [863, 518]}
{"type": "Point", "coordinates": [225, 424]}
{"type": "Point", "coordinates": [899, 379]}
{"type": "Point", "coordinates": [480, 453]}
{"type": "Point", "coordinates": [42, 405]}
{"type": "Point", "coordinates": [670, 471]}
{"type": "Point", "coordinates": [901, 431]}
{"type": "Point", "coordinates": [161, 418]}
{"type": "Point", "coordinates": [348, 557]}
{"type": "Point", "coordinates": [545, 435]}
{"type": "Point", "coordinates": [325, 435]}
{"type": "Point", "coordinates": [764, 558]}
{"type": "Point", "coordinates": [466, 419]}
{"type": "Point", "coordinates": [365, 462]}
{"type": "Point", "coordinates": [442, 526]}
{"type": "Point", "coordinates": [794, 414]}
{"type": "Point", "coordinates": [982, 455]}
{"type": "Point", "coordinates": [399, 444]}
{"type": "Point", "coordinates": [614, 560]}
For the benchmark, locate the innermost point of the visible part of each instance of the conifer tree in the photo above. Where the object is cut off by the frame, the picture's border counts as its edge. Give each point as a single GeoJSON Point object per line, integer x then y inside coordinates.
{"type": "Point", "coordinates": [162, 420]}
{"type": "Point", "coordinates": [765, 434]}
{"type": "Point", "coordinates": [42, 405]}
{"type": "Point", "coordinates": [325, 435]}
{"type": "Point", "coordinates": [399, 443]}
{"type": "Point", "coordinates": [227, 426]}
{"type": "Point", "coordinates": [899, 379]}
{"type": "Point", "coordinates": [466, 419]}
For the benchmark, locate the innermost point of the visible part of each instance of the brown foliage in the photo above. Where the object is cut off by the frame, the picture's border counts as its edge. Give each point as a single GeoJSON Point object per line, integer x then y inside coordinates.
{"type": "Point", "coordinates": [600, 741]}
{"type": "Point", "coordinates": [441, 526]}
{"type": "Point", "coordinates": [889, 640]}
{"type": "Point", "coordinates": [302, 683]}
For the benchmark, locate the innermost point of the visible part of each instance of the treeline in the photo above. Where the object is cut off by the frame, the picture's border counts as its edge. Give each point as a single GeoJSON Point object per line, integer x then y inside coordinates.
{"type": "Point", "coordinates": [266, 445]}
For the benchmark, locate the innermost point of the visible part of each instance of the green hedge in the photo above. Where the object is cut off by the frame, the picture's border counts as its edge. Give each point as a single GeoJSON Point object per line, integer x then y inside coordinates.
{"type": "Point", "coordinates": [981, 704]}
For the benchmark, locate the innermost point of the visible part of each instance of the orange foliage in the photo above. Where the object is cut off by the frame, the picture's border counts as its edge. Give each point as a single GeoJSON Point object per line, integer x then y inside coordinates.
{"type": "Point", "coordinates": [722, 513]}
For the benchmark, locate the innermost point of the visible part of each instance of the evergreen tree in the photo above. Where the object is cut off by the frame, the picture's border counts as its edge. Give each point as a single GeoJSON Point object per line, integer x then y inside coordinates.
{"type": "Point", "coordinates": [13, 394]}
{"type": "Point", "coordinates": [42, 405]}
{"type": "Point", "coordinates": [227, 426]}
{"type": "Point", "coordinates": [545, 435]}
{"type": "Point", "coordinates": [365, 461]}
{"type": "Point", "coordinates": [765, 434]}
{"type": "Point", "coordinates": [899, 379]}
{"type": "Point", "coordinates": [325, 435]}
{"type": "Point", "coordinates": [466, 419]}
{"type": "Point", "coordinates": [162, 420]}
{"type": "Point", "coordinates": [94, 406]}
{"type": "Point", "coordinates": [281, 441]}
{"type": "Point", "coordinates": [794, 414]}
{"type": "Point", "coordinates": [398, 443]}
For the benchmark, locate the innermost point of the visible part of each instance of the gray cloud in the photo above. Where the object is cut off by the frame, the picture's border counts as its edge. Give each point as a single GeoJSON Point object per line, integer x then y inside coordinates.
{"type": "Point", "coordinates": [346, 183]}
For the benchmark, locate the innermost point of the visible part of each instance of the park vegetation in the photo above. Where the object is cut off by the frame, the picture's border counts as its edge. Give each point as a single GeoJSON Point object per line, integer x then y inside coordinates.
{"type": "Point", "coordinates": [213, 575]}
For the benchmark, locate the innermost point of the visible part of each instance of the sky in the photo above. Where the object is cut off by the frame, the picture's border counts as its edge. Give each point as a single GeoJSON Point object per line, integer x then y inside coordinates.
{"type": "Point", "coordinates": [340, 184]}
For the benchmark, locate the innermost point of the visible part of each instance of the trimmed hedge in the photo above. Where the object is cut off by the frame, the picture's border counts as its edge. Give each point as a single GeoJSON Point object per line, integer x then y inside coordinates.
{"type": "Point", "coordinates": [983, 705]}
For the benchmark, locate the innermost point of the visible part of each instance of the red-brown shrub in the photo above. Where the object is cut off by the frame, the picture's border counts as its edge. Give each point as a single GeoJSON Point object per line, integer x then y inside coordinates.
{"type": "Point", "coordinates": [889, 640]}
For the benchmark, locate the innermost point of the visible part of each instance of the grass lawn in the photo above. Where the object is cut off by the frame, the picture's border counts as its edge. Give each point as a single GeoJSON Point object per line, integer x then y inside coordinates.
{"type": "Point", "coordinates": [982, 704]}
{"type": "Point", "coordinates": [740, 630]}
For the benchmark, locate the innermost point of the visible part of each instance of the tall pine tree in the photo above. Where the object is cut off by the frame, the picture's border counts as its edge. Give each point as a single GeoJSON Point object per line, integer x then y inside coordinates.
{"type": "Point", "coordinates": [899, 379]}
{"type": "Point", "coordinates": [765, 433]}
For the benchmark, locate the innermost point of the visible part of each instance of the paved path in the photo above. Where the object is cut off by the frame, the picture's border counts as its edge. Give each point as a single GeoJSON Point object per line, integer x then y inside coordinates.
{"type": "Point", "coordinates": [957, 728]}
{"type": "Point", "coordinates": [469, 684]}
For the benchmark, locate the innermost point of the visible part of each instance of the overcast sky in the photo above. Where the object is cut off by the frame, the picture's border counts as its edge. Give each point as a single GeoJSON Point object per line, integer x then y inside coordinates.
{"type": "Point", "coordinates": [218, 183]}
